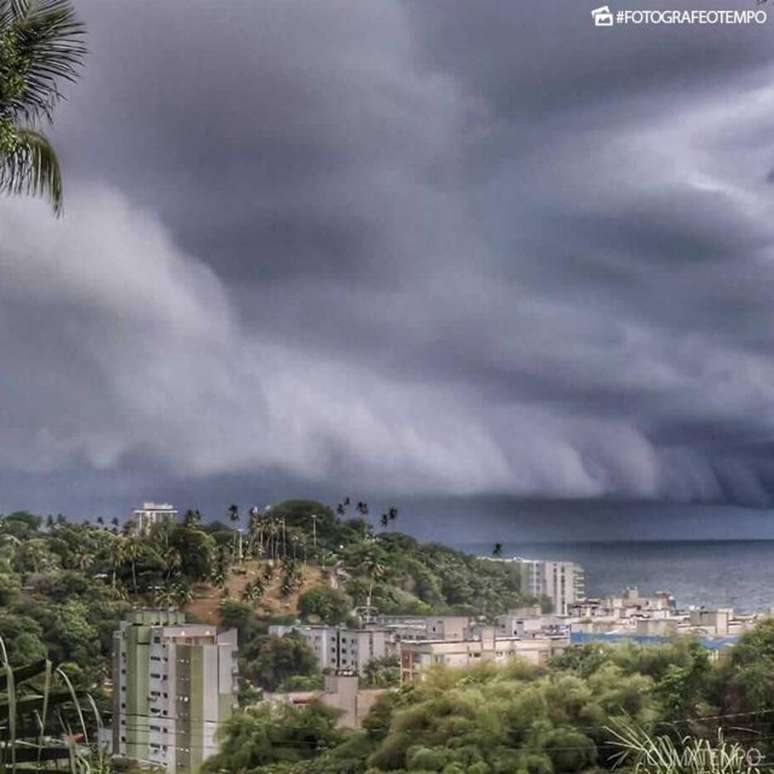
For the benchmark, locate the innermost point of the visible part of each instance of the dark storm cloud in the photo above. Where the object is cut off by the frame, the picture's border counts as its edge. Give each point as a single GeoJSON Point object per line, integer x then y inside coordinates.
{"type": "Point", "coordinates": [415, 247]}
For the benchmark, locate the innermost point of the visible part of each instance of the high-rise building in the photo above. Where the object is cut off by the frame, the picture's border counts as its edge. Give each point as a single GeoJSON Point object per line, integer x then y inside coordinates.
{"type": "Point", "coordinates": [152, 513]}
{"type": "Point", "coordinates": [175, 684]}
{"type": "Point", "coordinates": [562, 582]}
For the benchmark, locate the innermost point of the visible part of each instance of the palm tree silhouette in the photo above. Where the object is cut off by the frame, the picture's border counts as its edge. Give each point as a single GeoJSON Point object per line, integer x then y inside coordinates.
{"type": "Point", "coordinates": [41, 45]}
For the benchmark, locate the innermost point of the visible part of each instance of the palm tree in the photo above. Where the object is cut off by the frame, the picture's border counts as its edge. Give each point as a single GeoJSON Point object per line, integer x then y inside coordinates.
{"type": "Point", "coordinates": [165, 597]}
{"type": "Point", "coordinates": [191, 518]}
{"type": "Point", "coordinates": [84, 560]}
{"type": "Point", "coordinates": [183, 594]}
{"type": "Point", "coordinates": [133, 553]}
{"type": "Point", "coordinates": [255, 533]}
{"type": "Point", "coordinates": [373, 569]}
{"type": "Point", "coordinates": [117, 556]}
{"type": "Point", "coordinates": [233, 515]}
{"type": "Point", "coordinates": [41, 45]}
{"type": "Point", "coordinates": [172, 561]}
{"type": "Point", "coordinates": [253, 591]}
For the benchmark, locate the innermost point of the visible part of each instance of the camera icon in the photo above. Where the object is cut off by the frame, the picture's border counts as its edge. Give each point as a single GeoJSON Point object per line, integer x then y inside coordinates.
{"type": "Point", "coordinates": [602, 16]}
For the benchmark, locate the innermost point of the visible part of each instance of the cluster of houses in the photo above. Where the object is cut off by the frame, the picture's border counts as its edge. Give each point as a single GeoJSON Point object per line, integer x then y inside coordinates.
{"type": "Point", "coordinates": [529, 632]}
{"type": "Point", "coordinates": [175, 682]}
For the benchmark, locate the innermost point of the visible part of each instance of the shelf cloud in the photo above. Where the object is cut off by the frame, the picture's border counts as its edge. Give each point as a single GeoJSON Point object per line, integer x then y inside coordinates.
{"type": "Point", "coordinates": [417, 248]}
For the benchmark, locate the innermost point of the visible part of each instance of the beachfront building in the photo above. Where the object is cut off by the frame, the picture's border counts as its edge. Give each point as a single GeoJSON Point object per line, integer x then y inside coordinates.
{"type": "Point", "coordinates": [152, 513]}
{"type": "Point", "coordinates": [562, 583]}
{"type": "Point", "coordinates": [418, 655]}
{"type": "Point", "coordinates": [341, 649]}
{"type": "Point", "coordinates": [175, 683]}
{"type": "Point", "coordinates": [626, 605]}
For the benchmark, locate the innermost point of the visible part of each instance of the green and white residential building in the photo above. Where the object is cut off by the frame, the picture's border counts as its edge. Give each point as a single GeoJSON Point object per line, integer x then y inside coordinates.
{"type": "Point", "coordinates": [175, 684]}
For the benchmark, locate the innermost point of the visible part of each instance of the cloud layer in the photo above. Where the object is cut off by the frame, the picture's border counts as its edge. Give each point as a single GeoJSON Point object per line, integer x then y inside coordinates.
{"type": "Point", "coordinates": [414, 248]}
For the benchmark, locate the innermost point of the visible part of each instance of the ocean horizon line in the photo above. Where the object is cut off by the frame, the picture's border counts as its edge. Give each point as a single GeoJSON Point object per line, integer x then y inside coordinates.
{"type": "Point", "coordinates": [609, 541]}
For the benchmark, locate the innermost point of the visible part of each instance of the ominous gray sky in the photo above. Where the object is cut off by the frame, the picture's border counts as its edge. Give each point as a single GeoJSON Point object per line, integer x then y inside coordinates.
{"type": "Point", "coordinates": [409, 249]}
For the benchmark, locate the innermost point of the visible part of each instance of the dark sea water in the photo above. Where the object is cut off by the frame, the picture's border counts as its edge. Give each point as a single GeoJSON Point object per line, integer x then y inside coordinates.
{"type": "Point", "coordinates": [728, 573]}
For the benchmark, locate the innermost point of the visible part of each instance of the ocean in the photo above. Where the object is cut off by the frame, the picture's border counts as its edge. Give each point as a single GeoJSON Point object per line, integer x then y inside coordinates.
{"type": "Point", "coordinates": [714, 573]}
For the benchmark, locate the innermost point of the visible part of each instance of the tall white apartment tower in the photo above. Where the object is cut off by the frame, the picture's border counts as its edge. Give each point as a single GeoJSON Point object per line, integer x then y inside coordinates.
{"type": "Point", "coordinates": [562, 582]}
{"type": "Point", "coordinates": [152, 513]}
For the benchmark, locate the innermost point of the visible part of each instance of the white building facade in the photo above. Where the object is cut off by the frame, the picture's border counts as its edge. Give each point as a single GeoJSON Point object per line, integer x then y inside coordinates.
{"type": "Point", "coordinates": [151, 514]}
{"type": "Point", "coordinates": [340, 649]}
{"type": "Point", "coordinates": [175, 684]}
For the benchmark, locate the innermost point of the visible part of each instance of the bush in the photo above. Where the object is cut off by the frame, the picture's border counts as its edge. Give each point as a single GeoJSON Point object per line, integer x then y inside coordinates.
{"type": "Point", "coordinates": [330, 606]}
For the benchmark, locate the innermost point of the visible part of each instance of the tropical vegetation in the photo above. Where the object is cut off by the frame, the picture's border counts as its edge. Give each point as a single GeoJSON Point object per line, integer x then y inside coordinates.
{"type": "Point", "coordinates": [41, 47]}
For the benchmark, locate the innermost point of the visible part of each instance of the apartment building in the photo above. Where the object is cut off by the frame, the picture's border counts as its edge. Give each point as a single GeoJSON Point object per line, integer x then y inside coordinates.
{"type": "Point", "coordinates": [719, 622]}
{"type": "Point", "coordinates": [175, 684]}
{"type": "Point", "coordinates": [530, 623]}
{"type": "Point", "coordinates": [342, 649]}
{"type": "Point", "coordinates": [151, 514]}
{"type": "Point", "coordinates": [417, 627]}
{"type": "Point", "coordinates": [563, 583]}
{"type": "Point", "coordinates": [418, 655]}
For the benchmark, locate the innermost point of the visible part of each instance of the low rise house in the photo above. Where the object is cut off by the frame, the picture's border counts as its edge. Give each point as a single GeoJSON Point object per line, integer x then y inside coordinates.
{"type": "Point", "coordinates": [341, 692]}
{"type": "Point", "coordinates": [526, 624]}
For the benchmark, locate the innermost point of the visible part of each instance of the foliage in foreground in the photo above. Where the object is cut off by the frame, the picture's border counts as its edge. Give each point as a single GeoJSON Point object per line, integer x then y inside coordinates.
{"type": "Point", "coordinates": [594, 708]}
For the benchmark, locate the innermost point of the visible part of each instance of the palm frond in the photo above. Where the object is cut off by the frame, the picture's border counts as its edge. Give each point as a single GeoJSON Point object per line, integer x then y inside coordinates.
{"type": "Point", "coordinates": [32, 169]}
{"type": "Point", "coordinates": [18, 7]}
{"type": "Point", "coordinates": [48, 42]}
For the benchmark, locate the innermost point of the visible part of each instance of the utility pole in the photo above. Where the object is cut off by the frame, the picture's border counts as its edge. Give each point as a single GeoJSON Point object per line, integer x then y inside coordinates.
{"type": "Point", "coordinates": [314, 531]}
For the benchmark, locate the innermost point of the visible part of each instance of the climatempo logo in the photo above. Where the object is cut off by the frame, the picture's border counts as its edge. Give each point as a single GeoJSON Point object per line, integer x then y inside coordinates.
{"type": "Point", "coordinates": [602, 16]}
